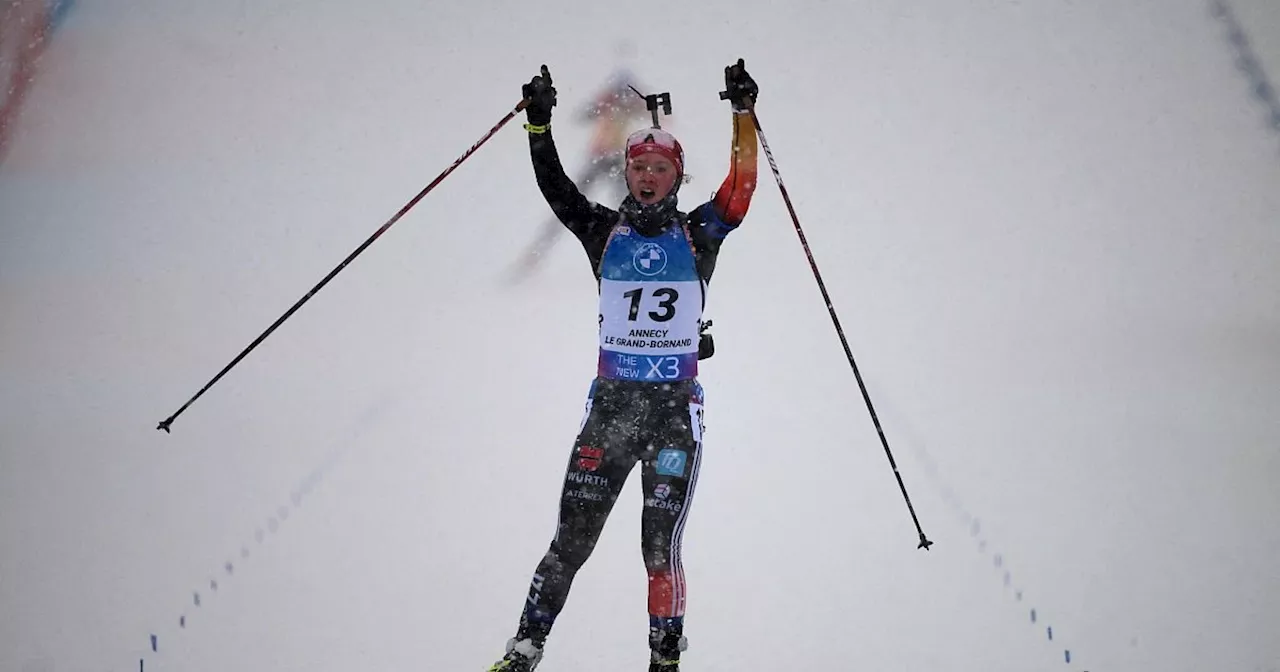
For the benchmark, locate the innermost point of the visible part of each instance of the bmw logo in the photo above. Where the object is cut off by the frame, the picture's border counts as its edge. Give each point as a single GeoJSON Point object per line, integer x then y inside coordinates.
{"type": "Point", "coordinates": [650, 259]}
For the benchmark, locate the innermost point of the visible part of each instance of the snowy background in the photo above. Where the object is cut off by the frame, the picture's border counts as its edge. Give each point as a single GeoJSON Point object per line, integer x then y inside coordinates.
{"type": "Point", "coordinates": [1051, 230]}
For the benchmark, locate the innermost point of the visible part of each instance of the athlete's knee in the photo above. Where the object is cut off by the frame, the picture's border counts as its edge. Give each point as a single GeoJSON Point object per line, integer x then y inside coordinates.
{"type": "Point", "coordinates": [658, 540]}
{"type": "Point", "coordinates": [656, 550]}
{"type": "Point", "coordinates": [572, 549]}
{"type": "Point", "coordinates": [656, 563]}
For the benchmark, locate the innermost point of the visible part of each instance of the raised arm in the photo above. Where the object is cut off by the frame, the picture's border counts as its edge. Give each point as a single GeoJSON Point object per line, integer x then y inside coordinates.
{"type": "Point", "coordinates": [734, 196]}
{"type": "Point", "coordinates": [566, 201]}
{"type": "Point", "coordinates": [714, 220]}
{"type": "Point", "coordinates": [585, 219]}
{"type": "Point", "coordinates": [729, 206]}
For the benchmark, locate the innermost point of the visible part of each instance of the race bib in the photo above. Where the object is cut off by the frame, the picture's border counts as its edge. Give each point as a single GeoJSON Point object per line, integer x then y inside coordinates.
{"type": "Point", "coordinates": [650, 307]}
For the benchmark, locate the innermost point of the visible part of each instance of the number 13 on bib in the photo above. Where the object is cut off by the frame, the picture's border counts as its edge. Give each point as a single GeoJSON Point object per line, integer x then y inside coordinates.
{"type": "Point", "coordinates": [650, 307]}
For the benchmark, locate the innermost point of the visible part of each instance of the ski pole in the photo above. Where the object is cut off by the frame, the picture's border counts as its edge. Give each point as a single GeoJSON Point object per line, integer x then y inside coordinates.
{"type": "Point", "coordinates": [777, 176]}
{"type": "Point", "coordinates": [164, 424]}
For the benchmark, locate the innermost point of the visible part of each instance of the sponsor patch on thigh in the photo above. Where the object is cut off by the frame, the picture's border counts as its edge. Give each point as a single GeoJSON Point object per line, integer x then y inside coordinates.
{"type": "Point", "coordinates": [671, 462]}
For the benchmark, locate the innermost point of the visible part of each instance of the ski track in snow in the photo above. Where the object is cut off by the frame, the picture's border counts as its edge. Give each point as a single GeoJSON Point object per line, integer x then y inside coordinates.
{"type": "Point", "coordinates": [1049, 232]}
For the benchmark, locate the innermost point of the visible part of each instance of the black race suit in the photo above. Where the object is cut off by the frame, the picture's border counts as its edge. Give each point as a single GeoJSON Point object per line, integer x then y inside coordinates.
{"type": "Point", "coordinates": [626, 422]}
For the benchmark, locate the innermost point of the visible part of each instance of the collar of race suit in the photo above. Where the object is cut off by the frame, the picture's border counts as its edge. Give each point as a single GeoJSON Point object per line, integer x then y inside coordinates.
{"type": "Point", "coordinates": [650, 220]}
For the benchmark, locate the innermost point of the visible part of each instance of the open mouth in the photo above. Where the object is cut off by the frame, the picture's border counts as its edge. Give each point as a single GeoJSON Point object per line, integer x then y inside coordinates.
{"type": "Point", "coordinates": [646, 193]}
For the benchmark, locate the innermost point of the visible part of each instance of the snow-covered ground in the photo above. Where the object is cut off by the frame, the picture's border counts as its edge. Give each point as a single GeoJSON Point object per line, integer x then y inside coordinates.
{"type": "Point", "coordinates": [1052, 233]}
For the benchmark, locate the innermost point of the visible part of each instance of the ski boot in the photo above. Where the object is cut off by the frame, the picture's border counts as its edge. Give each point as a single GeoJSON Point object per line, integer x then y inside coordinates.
{"type": "Point", "coordinates": [664, 651]}
{"type": "Point", "coordinates": [522, 656]}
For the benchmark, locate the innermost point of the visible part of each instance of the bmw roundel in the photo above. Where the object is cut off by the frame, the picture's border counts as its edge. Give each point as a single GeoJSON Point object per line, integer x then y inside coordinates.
{"type": "Point", "coordinates": [650, 259]}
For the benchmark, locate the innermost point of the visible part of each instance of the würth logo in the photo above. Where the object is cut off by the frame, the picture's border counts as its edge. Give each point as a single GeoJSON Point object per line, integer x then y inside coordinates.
{"type": "Point", "coordinates": [589, 458]}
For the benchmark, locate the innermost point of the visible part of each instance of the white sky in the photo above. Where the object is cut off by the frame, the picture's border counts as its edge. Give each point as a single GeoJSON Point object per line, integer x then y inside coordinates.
{"type": "Point", "coordinates": [1051, 230]}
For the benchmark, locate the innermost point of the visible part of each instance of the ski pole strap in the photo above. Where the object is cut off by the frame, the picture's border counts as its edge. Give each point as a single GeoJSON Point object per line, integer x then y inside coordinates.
{"type": "Point", "coordinates": [537, 129]}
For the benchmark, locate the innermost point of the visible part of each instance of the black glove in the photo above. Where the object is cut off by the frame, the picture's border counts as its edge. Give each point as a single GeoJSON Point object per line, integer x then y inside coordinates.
{"type": "Point", "coordinates": [541, 96]}
{"type": "Point", "coordinates": [740, 88]}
